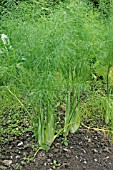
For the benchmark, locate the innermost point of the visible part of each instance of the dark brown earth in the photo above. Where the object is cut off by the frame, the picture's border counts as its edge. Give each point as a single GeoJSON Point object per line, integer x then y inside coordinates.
{"type": "Point", "coordinates": [86, 150]}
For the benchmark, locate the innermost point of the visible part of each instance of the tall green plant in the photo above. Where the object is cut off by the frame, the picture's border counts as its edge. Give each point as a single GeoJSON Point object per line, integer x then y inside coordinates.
{"type": "Point", "coordinates": [76, 82]}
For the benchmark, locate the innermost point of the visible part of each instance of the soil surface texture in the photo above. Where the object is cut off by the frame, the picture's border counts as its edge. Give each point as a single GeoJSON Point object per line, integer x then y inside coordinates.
{"type": "Point", "coordinates": [86, 150]}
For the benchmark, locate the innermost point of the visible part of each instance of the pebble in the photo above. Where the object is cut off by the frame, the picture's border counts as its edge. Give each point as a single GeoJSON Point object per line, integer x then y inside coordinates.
{"type": "Point", "coordinates": [76, 157]}
{"type": "Point", "coordinates": [89, 140]}
{"type": "Point", "coordinates": [27, 135]}
{"type": "Point", "coordinates": [107, 157]}
{"type": "Point", "coordinates": [3, 167]}
{"type": "Point", "coordinates": [45, 164]}
{"type": "Point", "coordinates": [11, 157]}
{"type": "Point", "coordinates": [7, 162]}
{"type": "Point", "coordinates": [80, 143]}
{"type": "Point", "coordinates": [17, 156]}
{"type": "Point", "coordinates": [95, 160]}
{"type": "Point", "coordinates": [95, 137]}
{"type": "Point", "coordinates": [66, 150]}
{"type": "Point", "coordinates": [95, 151]}
{"type": "Point", "coordinates": [83, 150]}
{"type": "Point", "coordinates": [85, 162]}
{"type": "Point", "coordinates": [20, 144]}
{"type": "Point", "coordinates": [48, 160]}
{"type": "Point", "coordinates": [71, 147]}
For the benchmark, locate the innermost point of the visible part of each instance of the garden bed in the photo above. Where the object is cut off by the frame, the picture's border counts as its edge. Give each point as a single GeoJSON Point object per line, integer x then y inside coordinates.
{"type": "Point", "coordinates": [56, 78]}
{"type": "Point", "coordinates": [86, 149]}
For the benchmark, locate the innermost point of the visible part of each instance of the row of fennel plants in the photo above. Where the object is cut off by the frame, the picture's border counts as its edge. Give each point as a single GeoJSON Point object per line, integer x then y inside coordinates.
{"type": "Point", "coordinates": [57, 66]}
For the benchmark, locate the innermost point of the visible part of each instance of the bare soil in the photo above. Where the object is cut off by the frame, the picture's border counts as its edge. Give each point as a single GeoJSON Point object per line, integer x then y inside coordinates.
{"type": "Point", "coordinates": [86, 150]}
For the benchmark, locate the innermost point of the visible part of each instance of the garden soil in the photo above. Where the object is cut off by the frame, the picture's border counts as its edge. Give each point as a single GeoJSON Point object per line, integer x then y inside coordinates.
{"type": "Point", "coordinates": [86, 150]}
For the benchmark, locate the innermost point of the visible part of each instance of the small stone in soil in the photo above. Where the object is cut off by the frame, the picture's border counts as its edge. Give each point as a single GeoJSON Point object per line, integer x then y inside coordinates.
{"type": "Point", "coordinates": [71, 147]}
{"type": "Point", "coordinates": [66, 150]}
{"type": "Point", "coordinates": [95, 160]}
{"type": "Point", "coordinates": [45, 164]}
{"type": "Point", "coordinates": [20, 144]}
{"type": "Point", "coordinates": [7, 162]}
{"type": "Point", "coordinates": [106, 158]}
{"type": "Point", "coordinates": [3, 167]}
{"type": "Point", "coordinates": [85, 162]}
{"type": "Point", "coordinates": [76, 157]}
{"type": "Point", "coordinates": [17, 156]}
{"type": "Point", "coordinates": [80, 143]}
{"type": "Point", "coordinates": [48, 160]}
{"type": "Point", "coordinates": [95, 151]}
